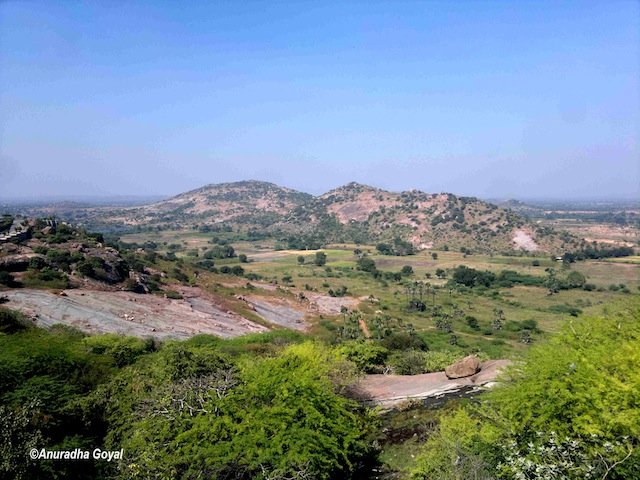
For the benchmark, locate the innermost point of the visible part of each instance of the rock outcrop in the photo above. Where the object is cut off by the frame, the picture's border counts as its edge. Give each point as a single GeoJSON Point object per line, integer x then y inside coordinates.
{"type": "Point", "coordinates": [466, 367]}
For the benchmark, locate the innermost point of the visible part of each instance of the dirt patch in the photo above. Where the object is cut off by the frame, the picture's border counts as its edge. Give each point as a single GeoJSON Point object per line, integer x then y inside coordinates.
{"type": "Point", "coordinates": [524, 241]}
{"type": "Point", "coordinates": [326, 305]}
{"type": "Point", "coordinates": [131, 314]}
{"type": "Point", "coordinates": [391, 390]}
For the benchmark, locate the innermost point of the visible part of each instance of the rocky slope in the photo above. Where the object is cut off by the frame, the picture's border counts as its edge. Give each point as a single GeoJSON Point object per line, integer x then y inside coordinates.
{"type": "Point", "coordinates": [351, 213]}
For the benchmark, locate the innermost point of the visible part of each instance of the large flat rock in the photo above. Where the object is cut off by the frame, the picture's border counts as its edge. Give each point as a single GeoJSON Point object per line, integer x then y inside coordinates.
{"type": "Point", "coordinates": [128, 313]}
{"type": "Point", "coordinates": [390, 390]}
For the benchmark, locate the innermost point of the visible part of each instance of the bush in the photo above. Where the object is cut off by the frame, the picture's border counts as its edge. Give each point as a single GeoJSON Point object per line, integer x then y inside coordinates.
{"type": "Point", "coordinates": [366, 355]}
{"type": "Point", "coordinates": [274, 417]}
{"type": "Point", "coordinates": [124, 350]}
{"type": "Point", "coordinates": [473, 322]}
{"type": "Point", "coordinates": [366, 264]}
{"type": "Point", "coordinates": [569, 411]}
{"type": "Point", "coordinates": [437, 361]}
{"type": "Point", "coordinates": [408, 362]}
{"type": "Point", "coordinates": [403, 341]}
{"type": "Point", "coordinates": [12, 321]}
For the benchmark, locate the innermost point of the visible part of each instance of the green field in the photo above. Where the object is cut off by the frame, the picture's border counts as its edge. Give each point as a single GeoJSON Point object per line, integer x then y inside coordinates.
{"type": "Point", "coordinates": [611, 280]}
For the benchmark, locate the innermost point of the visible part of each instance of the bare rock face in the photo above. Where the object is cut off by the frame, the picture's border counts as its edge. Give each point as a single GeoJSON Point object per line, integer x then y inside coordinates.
{"type": "Point", "coordinates": [466, 367]}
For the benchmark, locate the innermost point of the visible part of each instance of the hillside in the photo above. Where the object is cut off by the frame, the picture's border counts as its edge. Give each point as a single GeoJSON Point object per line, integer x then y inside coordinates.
{"type": "Point", "coordinates": [351, 213]}
{"type": "Point", "coordinates": [435, 220]}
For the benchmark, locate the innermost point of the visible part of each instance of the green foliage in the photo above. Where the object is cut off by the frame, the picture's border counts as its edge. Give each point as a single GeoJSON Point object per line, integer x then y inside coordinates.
{"type": "Point", "coordinates": [275, 417]}
{"type": "Point", "coordinates": [12, 321]}
{"type": "Point", "coordinates": [403, 341]}
{"type": "Point", "coordinates": [5, 222]}
{"type": "Point", "coordinates": [45, 278]}
{"type": "Point", "coordinates": [438, 360]}
{"type": "Point", "coordinates": [366, 355]}
{"type": "Point", "coordinates": [408, 362]}
{"type": "Point", "coordinates": [320, 259]}
{"type": "Point", "coordinates": [576, 280]}
{"type": "Point", "coordinates": [18, 435]}
{"type": "Point", "coordinates": [43, 377]}
{"type": "Point", "coordinates": [570, 411]}
{"type": "Point", "coordinates": [457, 450]}
{"type": "Point", "coordinates": [220, 251]}
{"type": "Point", "coordinates": [399, 247]}
{"type": "Point", "coordinates": [124, 350]}
{"type": "Point", "coordinates": [406, 271]}
{"type": "Point", "coordinates": [366, 264]}
{"type": "Point", "coordinates": [471, 277]}
{"type": "Point", "coordinates": [472, 322]}
{"type": "Point", "coordinates": [173, 294]}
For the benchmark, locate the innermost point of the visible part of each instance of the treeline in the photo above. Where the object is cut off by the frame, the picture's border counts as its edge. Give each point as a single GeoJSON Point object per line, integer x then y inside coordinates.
{"type": "Point", "coordinates": [470, 277]}
{"type": "Point", "coordinates": [597, 253]}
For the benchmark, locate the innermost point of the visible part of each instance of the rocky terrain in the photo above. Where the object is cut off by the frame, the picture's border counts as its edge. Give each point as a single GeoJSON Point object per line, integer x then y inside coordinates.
{"type": "Point", "coordinates": [392, 390]}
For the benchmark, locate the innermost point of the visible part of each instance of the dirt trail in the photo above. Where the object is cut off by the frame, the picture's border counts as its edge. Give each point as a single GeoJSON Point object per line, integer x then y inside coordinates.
{"type": "Point", "coordinates": [364, 328]}
{"type": "Point", "coordinates": [130, 314]}
{"type": "Point", "coordinates": [390, 390]}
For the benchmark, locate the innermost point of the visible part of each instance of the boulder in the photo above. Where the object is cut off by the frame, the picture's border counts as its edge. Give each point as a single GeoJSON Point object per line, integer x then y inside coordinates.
{"type": "Point", "coordinates": [464, 368]}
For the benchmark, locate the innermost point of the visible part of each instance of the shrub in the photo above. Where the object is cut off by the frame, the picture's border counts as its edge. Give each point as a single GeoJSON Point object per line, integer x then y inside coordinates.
{"type": "Point", "coordinates": [366, 355]}
{"type": "Point", "coordinates": [408, 362]}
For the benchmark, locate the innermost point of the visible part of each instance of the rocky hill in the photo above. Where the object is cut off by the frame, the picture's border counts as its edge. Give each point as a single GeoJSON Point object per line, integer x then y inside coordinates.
{"type": "Point", "coordinates": [351, 213]}
{"type": "Point", "coordinates": [435, 220]}
{"type": "Point", "coordinates": [56, 255]}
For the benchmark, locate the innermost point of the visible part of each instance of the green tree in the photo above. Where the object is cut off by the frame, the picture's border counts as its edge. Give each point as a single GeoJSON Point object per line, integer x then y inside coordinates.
{"type": "Point", "coordinates": [275, 417]}
{"type": "Point", "coordinates": [406, 271]}
{"type": "Point", "coordinates": [320, 259]}
{"type": "Point", "coordinates": [576, 279]}
{"type": "Point", "coordinates": [569, 411]}
{"type": "Point", "coordinates": [366, 264]}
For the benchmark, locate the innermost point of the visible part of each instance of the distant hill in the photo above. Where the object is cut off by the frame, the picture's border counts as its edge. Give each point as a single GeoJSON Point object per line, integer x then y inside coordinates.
{"type": "Point", "coordinates": [351, 213]}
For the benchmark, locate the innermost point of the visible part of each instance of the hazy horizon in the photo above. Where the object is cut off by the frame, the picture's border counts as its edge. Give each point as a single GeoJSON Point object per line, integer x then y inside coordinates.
{"type": "Point", "coordinates": [141, 199]}
{"type": "Point", "coordinates": [151, 99]}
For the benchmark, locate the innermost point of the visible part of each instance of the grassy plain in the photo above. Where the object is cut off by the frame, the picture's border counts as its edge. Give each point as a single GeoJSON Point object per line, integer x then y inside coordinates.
{"type": "Point", "coordinates": [513, 305]}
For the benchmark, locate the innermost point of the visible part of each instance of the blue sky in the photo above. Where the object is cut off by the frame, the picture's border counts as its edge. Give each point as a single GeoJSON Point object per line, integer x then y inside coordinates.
{"type": "Point", "coordinates": [494, 99]}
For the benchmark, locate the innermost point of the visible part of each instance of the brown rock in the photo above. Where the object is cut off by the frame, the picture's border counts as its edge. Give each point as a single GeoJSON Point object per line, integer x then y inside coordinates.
{"type": "Point", "coordinates": [464, 368]}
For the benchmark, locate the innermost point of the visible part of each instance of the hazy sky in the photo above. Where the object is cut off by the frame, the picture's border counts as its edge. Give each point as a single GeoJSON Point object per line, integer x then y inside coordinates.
{"type": "Point", "coordinates": [495, 99]}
